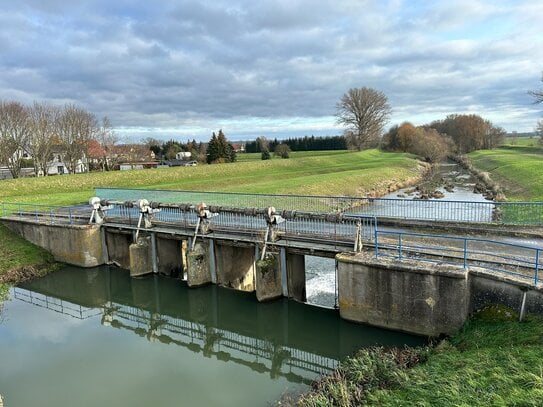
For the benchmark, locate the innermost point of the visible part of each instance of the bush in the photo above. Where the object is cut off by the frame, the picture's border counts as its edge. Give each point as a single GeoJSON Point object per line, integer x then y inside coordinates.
{"type": "Point", "coordinates": [265, 155]}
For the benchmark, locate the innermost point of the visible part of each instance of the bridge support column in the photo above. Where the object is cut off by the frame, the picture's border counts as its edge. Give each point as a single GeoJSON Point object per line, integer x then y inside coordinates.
{"type": "Point", "coordinates": [169, 261]}
{"type": "Point", "coordinates": [141, 258]}
{"type": "Point", "coordinates": [296, 276]}
{"type": "Point", "coordinates": [198, 265]}
{"type": "Point", "coordinates": [268, 277]}
{"type": "Point", "coordinates": [235, 265]}
{"type": "Point", "coordinates": [411, 296]}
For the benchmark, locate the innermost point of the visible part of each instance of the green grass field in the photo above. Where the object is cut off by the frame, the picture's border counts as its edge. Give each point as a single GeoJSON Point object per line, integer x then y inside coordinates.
{"type": "Point", "coordinates": [311, 173]}
{"type": "Point", "coordinates": [522, 141]}
{"type": "Point", "coordinates": [518, 169]}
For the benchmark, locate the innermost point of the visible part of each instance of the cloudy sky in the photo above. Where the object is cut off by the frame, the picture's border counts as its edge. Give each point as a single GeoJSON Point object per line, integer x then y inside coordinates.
{"type": "Point", "coordinates": [276, 68]}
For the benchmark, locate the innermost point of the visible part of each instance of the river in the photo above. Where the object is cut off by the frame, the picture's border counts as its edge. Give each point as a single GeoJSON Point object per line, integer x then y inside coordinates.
{"type": "Point", "coordinates": [96, 337]}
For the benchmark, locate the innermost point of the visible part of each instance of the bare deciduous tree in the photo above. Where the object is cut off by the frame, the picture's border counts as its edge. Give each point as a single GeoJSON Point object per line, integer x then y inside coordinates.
{"type": "Point", "coordinates": [43, 126]}
{"type": "Point", "coordinates": [365, 112]}
{"type": "Point", "coordinates": [106, 137]}
{"type": "Point", "coordinates": [14, 132]}
{"type": "Point", "coordinates": [537, 94]}
{"type": "Point", "coordinates": [539, 131]}
{"type": "Point", "coordinates": [76, 127]}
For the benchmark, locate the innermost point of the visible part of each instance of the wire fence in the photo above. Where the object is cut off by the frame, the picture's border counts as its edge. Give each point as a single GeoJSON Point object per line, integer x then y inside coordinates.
{"type": "Point", "coordinates": [504, 213]}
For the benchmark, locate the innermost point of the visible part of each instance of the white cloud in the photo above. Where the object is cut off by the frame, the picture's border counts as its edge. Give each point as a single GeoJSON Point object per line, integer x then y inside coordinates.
{"type": "Point", "coordinates": [260, 66]}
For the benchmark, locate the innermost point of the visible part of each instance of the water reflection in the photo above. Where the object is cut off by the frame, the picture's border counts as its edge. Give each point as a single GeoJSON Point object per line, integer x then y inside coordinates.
{"type": "Point", "coordinates": [282, 339]}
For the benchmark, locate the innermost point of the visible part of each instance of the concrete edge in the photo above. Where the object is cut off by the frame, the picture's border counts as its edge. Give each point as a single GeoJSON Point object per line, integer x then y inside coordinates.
{"type": "Point", "coordinates": [412, 266]}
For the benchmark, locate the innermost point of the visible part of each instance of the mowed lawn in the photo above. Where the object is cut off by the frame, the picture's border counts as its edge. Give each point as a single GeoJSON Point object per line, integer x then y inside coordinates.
{"type": "Point", "coordinates": [312, 173]}
{"type": "Point", "coordinates": [518, 169]}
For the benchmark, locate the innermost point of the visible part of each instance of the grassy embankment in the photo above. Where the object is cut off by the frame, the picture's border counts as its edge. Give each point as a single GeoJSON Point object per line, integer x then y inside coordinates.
{"type": "Point", "coordinates": [493, 361]}
{"type": "Point", "coordinates": [314, 173]}
{"type": "Point", "coordinates": [518, 169]}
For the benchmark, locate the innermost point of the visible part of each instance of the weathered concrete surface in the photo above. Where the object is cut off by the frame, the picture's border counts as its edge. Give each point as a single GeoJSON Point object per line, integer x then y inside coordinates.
{"type": "Point", "coordinates": [141, 262]}
{"type": "Point", "coordinates": [268, 278]}
{"type": "Point", "coordinates": [118, 248]}
{"type": "Point", "coordinates": [169, 258]}
{"type": "Point", "coordinates": [79, 245]}
{"type": "Point", "coordinates": [296, 276]}
{"type": "Point", "coordinates": [235, 265]}
{"type": "Point", "coordinates": [410, 296]}
{"type": "Point", "coordinates": [198, 270]}
{"type": "Point", "coordinates": [487, 287]}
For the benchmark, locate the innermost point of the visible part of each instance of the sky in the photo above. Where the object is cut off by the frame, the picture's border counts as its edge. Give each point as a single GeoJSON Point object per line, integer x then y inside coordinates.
{"type": "Point", "coordinates": [182, 69]}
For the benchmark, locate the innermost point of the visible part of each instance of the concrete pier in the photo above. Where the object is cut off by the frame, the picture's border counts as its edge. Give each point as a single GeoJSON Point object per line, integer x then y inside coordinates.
{"type": "Point", "coordinates": [421, 298]}
{"type": "Point", "coordinates": [268, 277]}
{"type": "Point", "coordinates": [198, 265]}
{"type": "Point", "coordinates": [141, 260]}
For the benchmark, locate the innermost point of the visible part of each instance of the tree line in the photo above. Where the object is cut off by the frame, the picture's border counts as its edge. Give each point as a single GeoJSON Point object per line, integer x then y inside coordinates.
{"type": "Point", "coordinates": [306, 143]}
{"type": "Point", "coordinates": [42, 129]}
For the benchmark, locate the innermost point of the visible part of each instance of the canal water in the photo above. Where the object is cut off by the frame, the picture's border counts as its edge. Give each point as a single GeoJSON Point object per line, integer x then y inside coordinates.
{"type": "Point", "coordinates": [96, 337]}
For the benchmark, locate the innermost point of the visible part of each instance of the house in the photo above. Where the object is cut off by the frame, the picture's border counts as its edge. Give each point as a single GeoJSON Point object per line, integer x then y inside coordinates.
{"type": "Point", "coordinates": [183, 155]}
{"type": "Point", "coordinates": [239, 147]}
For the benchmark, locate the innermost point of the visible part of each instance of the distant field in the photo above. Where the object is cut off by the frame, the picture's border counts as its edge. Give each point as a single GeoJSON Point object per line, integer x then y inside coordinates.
{"type": "Point", "coordinates": [522, 141]}
{"type": "Point", "coordinates": [519, 169]}
{"type": "Point", "coordinates": [312, 173]}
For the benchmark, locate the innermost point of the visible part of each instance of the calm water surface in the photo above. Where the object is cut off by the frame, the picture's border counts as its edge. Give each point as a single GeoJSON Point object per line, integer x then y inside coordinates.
{"type": "Point", "coordinates": [99, 338]}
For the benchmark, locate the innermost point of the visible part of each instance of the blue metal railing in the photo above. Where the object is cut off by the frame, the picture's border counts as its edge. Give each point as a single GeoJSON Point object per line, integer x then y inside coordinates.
{"type": "Point", "coordinates": [509, 258]}
{"type": "Point", "coordinates": [43, 213]}
{"type": "Point", "coordinates": [506, 213]}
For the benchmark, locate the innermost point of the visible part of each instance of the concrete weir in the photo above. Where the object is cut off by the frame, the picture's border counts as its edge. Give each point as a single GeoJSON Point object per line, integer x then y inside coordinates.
{"type": "Point", "coordinates": [417, 297]}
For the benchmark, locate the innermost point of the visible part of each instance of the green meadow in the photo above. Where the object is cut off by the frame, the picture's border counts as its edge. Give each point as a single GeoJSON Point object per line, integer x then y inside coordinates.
{"type": "Point", "coordinates": [518, 169]}
{"type": "Point", "coordinates": [311, 173]}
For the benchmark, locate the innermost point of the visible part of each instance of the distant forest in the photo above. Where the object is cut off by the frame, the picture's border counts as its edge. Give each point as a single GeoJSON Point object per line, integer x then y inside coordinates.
{"type": "Point", "coordinates": [306, 143]}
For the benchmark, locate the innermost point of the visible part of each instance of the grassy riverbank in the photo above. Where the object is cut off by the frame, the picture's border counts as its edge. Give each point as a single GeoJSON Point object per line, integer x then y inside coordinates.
{"type": "Point", "coordinates": [20, 260]}
{"type": "Point", "coordinates": [517, 169]}
{"type": "Point", "coordinates": [495, 360]}
{"type": "Point", "coordinates": [313, 173]}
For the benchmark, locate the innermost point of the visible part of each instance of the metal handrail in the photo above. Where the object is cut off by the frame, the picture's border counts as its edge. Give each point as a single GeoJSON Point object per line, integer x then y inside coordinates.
{"type": "Point", "coordinates": [527, 265]}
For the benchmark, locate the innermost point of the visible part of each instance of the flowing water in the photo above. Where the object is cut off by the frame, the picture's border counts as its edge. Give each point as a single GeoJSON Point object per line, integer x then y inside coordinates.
{"type": "Point", "coordinates": [96, 337]}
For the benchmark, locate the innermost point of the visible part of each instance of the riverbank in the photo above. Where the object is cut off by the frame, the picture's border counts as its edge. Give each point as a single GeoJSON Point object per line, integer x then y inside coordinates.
{"type": "Point", "coordinates": [493, 360]}
{"type": "Point", "coordinates": [21, 260]}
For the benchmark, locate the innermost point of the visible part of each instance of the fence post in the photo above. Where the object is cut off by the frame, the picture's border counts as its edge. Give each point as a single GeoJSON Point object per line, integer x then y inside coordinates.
{"type": "Point", "coordinates": [376, 242]}
{"type": "Point", "coordinates": [465, 253]}
{"type": "Point", "coordinates": [536, 276]}
{"type": "Point", "coordinates": [400, 246]}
